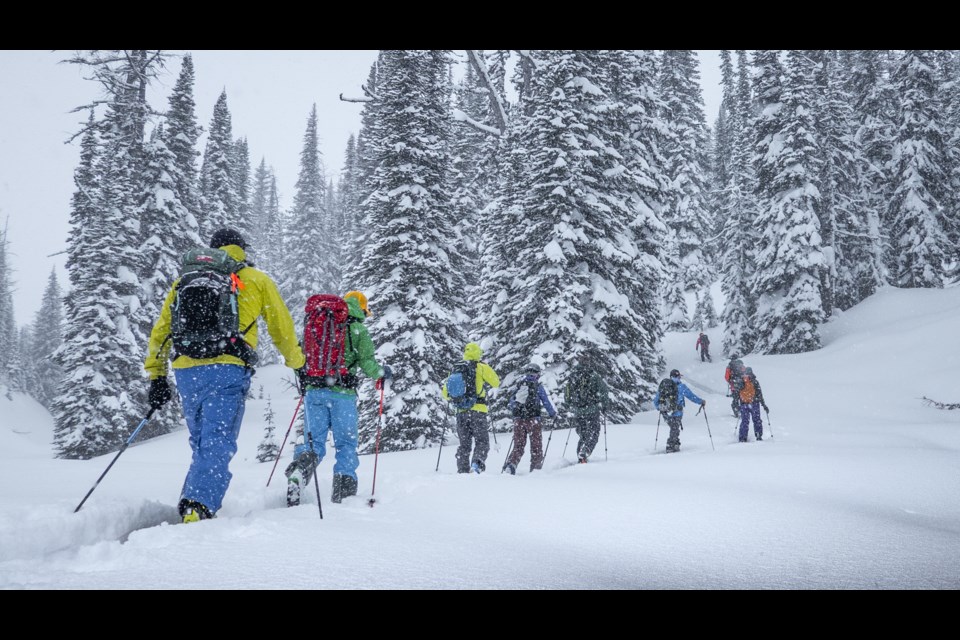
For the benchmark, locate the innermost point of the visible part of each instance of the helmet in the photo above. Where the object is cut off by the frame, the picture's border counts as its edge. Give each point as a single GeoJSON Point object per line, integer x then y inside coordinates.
{"type": "Point", "coordinates": [675, 374]}
{"type": "Point", "coordinates": [362, 299]}
{"type": "Point", "coordinates": [532, 368]}
{"type": "Point", "coordinates": [225, 236]}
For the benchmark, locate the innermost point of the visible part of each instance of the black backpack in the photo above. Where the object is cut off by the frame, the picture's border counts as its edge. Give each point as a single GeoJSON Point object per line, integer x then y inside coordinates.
{"type": "Point", "coordinates": [462, 385]}
{"type": "Point", "coordinates": [527, 400]}
{"type": "Point", "coordinates": [205, 314]}
{"type": "Point", "coordinates": [669, 396]}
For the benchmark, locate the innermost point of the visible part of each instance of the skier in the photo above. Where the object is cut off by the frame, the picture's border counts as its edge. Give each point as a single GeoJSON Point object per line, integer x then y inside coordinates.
{"type": "Point", "coordinates": [330, 404]}
{"type": "Point", "coordinates": [703, 345]}
{"type": "Point", "coordinates": [213, 365]}
{"type": "Point", "coordinates": [525, 405]}
{"type": "Point", "coordinates": [587, 394]}
{"type": "Point", "coordinates": [734, 369]}
{"type": "Point", "coordinates": [751, 399]}
{"type": "Point", "coordinates": [674, 418]}
{"type": "Point", "coordinates": [472, 425]}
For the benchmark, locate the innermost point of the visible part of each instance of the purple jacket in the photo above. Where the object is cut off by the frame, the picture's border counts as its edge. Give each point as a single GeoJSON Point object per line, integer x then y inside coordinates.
{"type": "Point", "coordinates": [541, 393]}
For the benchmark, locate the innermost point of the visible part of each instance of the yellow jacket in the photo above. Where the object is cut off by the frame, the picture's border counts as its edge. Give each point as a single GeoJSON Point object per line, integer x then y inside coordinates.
{"type": "Point", "coordinates": [258, 297]}
{"type": "Point", "coordinates": [485, 376]}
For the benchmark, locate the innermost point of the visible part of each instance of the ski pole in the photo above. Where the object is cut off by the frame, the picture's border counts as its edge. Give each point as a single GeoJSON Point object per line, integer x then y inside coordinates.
{"type": "Point", "coordinates": [279, 453]}
{"type": "Point", "coordinates": [704, 409]}
{"type": "Point", "coordinates": [123, 448]}
{"type": "Point", "coordinates": [442, 433]}
{"type": "Point", "coordinates": [769, 424]}
{"type": "Point", "coordinates": [376, 454]}
{"type": "Point", "coordinates": [509, 451]}
{"type": "Point", "coordinates": [657, 437]}
{"type": "Point", "coordinates": [316, 471]}
{"type": "Point", "coordinates": [605, 438]}
{"type": "Point", "coordinates": [553, 426]}
{"type": "Point", "coordinates": [564, 456]}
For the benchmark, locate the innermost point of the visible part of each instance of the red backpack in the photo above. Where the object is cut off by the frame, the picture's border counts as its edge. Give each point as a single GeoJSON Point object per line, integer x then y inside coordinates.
{"type": "Point", "coordinates": [324, 332]}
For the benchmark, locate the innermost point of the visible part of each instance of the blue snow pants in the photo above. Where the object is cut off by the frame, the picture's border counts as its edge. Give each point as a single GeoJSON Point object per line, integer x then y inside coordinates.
{"type": "Point", "coordinates": [746, 412]}
{"type": "Point", "coordinates": [213, 398]}
{"type": "Point", "coordinates": [327, 409]}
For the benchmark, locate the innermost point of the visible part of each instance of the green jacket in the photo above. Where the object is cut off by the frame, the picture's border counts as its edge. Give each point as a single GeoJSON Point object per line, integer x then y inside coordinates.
{"type": "Point", "coordinates": [589, 389]}
{"type": "Point", "coordinates": [359, 350]}
{"type": "Point", "coordinates": [258, 297]}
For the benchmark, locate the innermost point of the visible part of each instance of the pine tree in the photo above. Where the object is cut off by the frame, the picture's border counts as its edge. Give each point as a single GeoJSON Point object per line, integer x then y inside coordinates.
{"type": "Point", "coordinates": [410, 270]}
{"type": "Point", "coordinates": [268, 449]}
{"type": "Point", "coordinates": [850, 273]}
{"type": "Point", "coordinates": [28, 380]}
{"type": "Point", "coordinates": [919, 181]}
{"type": "Point", "coordinates": [874, 103]}
{"type": "Point", "coordinates": [349, 206]}
{"type": "Point", "coordinates": [240, 174]}
{"type": "Point", "coordinates": [161, 214]}
{"type": "Point", "coordinates": [687, 211]}
{"type": "Point", "coordinates": [9, 334]}
{"type": "Point", "coordinates": [308, 240]}
{"type": "Point", "coordinates": [258, 210]}
{"type": "Point", "coordinates": [104, 341]}
{"type": "Point", "coordinates": [576, 260]}
{"type": "Point", "coordinates": [181, 135]}
{"type": "Point", "coordinates": [789, 257]}
{"type": "Point", "coordinates": [46, 338]}
{"type": "Point", "coordinates": [217, 186]}
{"type": "Point", "coordinates": [738, 212]}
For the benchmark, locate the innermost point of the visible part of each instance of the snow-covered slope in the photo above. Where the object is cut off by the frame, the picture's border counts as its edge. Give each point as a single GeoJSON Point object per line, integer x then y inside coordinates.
{"type": "Point", "coordinates": [859, 487]}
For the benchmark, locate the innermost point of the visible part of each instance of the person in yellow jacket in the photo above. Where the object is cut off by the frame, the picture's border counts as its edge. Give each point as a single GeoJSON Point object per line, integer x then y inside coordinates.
{"type": "Point", "coordinates": [213, 376]}
{"type": "Point", "coordinates": [472, 424]}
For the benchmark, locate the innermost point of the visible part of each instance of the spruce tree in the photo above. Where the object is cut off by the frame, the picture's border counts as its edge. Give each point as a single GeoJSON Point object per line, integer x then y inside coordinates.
{"type": "Point", "coordinates": [9, 334]}
{"type": "Point", "coordinates": [181, 135]}
{"type": "Point", "coordinates": [410, 270]}
{"type": "Point", "coordinates": [308, 241]}
{"type": "Point", "coordinates": [789, 256]}
{"type": "Point", "coordinates": [240, 174]}
{"type": "Point", "coordinates": [920, 184]}
{"type": "Point", "coordinates": [687, 213]}
{"type": "Point", "coordinates": [258, 209]}
{"type": "Point", "coordinates": [268, 449]}
{"type": "Point", "coordinates": [46, 338]}
{"type": "Point", "coordinates": [217, 186]}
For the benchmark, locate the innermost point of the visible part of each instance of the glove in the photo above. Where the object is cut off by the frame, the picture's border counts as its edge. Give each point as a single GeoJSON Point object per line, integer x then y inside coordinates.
{"type": "Point", "coordinates": [703, 404]}
{"type": "Point", "coordinates": [387, 372]}
{"type": "Point", "coordinates": [301, 379]}
{"type": "Point", "coordinates": [766, 408]}
{"type": "Point", "coordinates": [159, 393]}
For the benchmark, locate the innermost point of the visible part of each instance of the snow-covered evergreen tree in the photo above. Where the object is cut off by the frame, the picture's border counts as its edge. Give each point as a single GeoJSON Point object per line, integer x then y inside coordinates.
{"type": "Point", "coordinates": [9, 334]}
{"type": "Point", "coordinates": [410, 271]}
{"type": "Point", "coordinates": [308, 237]}
{"type": "Point", "coordinates": [46, 338]}
{"type": "Point", "coordinates": [104, 341]}
{"type": "Point", "coordinates": [874, 103]}
{"type": "Point", "coordinates": [268, 449]}
{"type": "Point", "coordinates": [240, 174]}
{"type": "Point", "coordinates": [258, 209]}
{"type": "Point", "coordinates": [180, 137]}
{"type": "Point", "coordinates": [348, 204]}
{"type": "Point", "coordinates": [687, 211]}
{"type": "Point", "coordinates": [574, 248]}
{"type": "Point", "coordinates": [738, 212]}
{"type": "Point", "coordinates": [217, 185]}
{"type": "Point", "coordinates": [920, 184]}
{"type": "Point", "coordinates": [789, 257]}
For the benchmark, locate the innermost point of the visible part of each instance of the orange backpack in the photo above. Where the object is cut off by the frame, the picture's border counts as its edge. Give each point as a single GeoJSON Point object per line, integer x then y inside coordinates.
{"type": "Point", "coordinates": [747, 392]}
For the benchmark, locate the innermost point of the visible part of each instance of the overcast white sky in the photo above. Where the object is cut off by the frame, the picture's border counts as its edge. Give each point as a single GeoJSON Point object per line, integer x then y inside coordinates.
{"type": "Point", "coordinates": [269, 94]}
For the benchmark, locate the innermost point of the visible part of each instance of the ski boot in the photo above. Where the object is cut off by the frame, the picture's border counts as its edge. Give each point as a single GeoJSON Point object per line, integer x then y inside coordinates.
{"type": "Point", "coordinates": [298, 474]}
{"type": "Point", "coordinates": [193, 511]}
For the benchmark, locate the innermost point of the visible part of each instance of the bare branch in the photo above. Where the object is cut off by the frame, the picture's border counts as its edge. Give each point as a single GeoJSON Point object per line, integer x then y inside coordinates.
{"type": "Point", "coordinates": [496, 106]}
{"type": "Point", "coordinates": [460, 116]}
{"type": "Point", "coordinates": [369, 93]}
{"type": "Point", "coordinates": [941, 405]}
